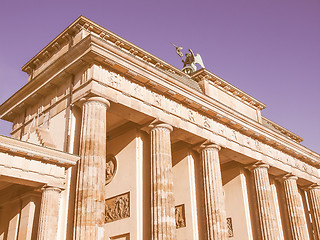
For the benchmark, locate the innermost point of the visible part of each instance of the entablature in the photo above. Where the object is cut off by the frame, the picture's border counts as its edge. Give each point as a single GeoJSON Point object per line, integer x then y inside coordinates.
{"type": "Point", "coordinates": [32, 165]}
{"type": "Point", "coordinates": [279, 129]}
{"type": "Point", "coordinates": [204, 74]}
{"type": "Point", "coordinates": [16, 147]}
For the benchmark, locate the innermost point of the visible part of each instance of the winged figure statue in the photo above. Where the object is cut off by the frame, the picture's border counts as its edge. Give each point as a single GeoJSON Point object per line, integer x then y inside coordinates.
{"type": "Point", "coordinates": [189, 64]}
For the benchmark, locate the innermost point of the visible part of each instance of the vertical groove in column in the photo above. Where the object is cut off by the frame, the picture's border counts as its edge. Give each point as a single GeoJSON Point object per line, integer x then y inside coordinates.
{"type": "Point", "coordinates": [214, 197]}
{"type": "Point", "coordinates": [314, 201]}
{"type": "Point", "coordinates": [91, 170]}
{"type": "Point", "coordinates": [162, 183]}
{"type": "Point", "coordinates": [49, 212]}
{"type": "Point", "coordinates": [297, 220]}
{"type": "Point", "coordinates": [266, 210]}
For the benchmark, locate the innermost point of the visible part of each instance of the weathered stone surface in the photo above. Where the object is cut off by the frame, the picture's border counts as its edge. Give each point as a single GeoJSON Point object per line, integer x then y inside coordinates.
{"type": "Point", "coordinates": [314, 201]}
{"type": "Point", "coordinates": [214, 197]}
{"type": "Point", "coordinates": [266, 210]}
{"type": "Point", "coordinates": [89, 211]}
{"type": "Point", "coordinates": [297, 220]}
{"type": "Point", "coordinates": [163, 204]}
{"type": "Point", "coordinates": [49, 213]}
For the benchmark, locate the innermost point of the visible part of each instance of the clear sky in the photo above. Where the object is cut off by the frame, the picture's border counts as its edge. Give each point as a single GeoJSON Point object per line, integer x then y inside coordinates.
{"type": "Point", "coordinates": [269, 49]}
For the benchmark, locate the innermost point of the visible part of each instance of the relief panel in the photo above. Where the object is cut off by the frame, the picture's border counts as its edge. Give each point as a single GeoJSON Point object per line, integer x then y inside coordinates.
{"type": "Point", "coordinates": [180, 216]}
{"type": "Point", "coordinates": [229, 227]}
{"type": "Point", "coordinates": [111, 168]}
{"type": "Point", "coordinates": [117, 207]}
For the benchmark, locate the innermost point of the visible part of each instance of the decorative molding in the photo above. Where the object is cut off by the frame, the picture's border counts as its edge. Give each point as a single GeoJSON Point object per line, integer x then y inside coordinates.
{"type": "Point", "coordinates": [31, 151]}
{"type": "Point", "coordinates": [85, 24]}
{"type": "Point", "coordinates": [243, 136]}
{"type": "Point", "coordinates": [125, 236]}
{"type": "Point", "coordinates": [275, 127]}
{"type": "Point", "coordinates": [223, 85]}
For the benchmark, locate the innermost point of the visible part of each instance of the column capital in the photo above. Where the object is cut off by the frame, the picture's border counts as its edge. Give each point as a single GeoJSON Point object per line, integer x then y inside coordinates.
{"type": "Point", "coordinates": [206, 145]}
{"type": "Point", "coordinates": [255, 165]}
{"type": "Point", "coordinates": [287, 176]}
{"type": "Point", "coordinates": [94, 99]}
{"type": "Point", "coordinates": [159, 124]}
{"type": "Point", "coordinates": [313, 186]}
{"type": "Point", "coordinates": [50, 188]}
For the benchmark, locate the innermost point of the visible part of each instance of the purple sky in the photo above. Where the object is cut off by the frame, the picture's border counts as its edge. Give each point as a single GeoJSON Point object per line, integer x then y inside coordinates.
{"type": "Point", "coordinates": [269, 49]}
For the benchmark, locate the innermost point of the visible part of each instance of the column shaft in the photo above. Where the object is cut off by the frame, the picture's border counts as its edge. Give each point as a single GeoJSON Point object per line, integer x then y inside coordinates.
{"type": "Point", "coordinates": [90, 204]}
{"type": "Point", "coordinates": [297, 220]}
{"type": "Point", "coordinates": [265, 203]}
{"type": "Point", "coordinates": [163, 209]}
{"type": "Point", "coordinates": [49, 213]}
{"type": "Point", "coordinates": [314, 201]}
{"type": "Point", "coordinates": [214, 196]}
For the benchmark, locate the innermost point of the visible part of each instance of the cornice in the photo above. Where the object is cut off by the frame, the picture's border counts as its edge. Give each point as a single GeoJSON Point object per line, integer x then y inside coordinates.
{"type": "Point", "coordinates": [82, 23]}
{"type": "Point", "coordinates": [204, 74]}
{"type": "Point", "coordinates": [276, 127]}
{"type": "Point", "coordinates": [32, 151]}
{"type": "Point", "coordinates": [53, 47]}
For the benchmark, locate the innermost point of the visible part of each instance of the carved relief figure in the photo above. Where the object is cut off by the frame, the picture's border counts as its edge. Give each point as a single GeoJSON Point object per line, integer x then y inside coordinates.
{"type": "Point", "coordinates": [111, 165]}
{"type": "Point", "coordinates": [206, 122]}
{"type": "Point", "coordinates": [191, 116]}
{"type": "Point", "coordinates": [234, 135]}
{"type": "Point", "coordinates": [157, 99]}
{"type": "Point", "coordinates": [117, 208]}
{"type": "Point", "coordinates": [180, 216]}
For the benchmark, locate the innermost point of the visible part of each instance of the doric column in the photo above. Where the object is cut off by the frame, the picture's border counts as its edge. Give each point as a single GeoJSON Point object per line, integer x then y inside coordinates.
{"type": "Point", "coordinates": [314, 201]}
{"type": "Point", "coordinates": [163, 212]}
{"type": "Point", "coordinates": [214, 196]}
{"type": "Point", "coordinates": [49, 213]}
{"type": "Point", "coordinates": [265, 203]}
{"type": "Point", "coordinates": [90, 206]}
{"type": "Point", "coordinates": [297, 220]}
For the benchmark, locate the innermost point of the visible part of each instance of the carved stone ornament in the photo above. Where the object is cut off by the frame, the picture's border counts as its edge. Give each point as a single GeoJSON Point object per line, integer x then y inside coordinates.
{"type": "Point", "coordinates": [229, 227]}
{"type": "Point", "coordinates": [111, 168]}
{"type": "Point", "coordinates": [180, 216]}
{"type": "Point", "coordinates": [189, 64]}
{"type": "Point", "coordinates": [117, 207]}
{"type": "Point", "coordinates": [162, 102]}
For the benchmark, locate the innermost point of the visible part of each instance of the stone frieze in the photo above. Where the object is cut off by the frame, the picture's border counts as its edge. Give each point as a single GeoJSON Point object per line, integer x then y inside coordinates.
{"type": "Point", "coordinates": [164, 103]}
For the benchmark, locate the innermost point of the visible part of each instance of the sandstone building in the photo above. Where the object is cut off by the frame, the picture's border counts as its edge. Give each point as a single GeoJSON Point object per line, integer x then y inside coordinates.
{"type": "Point", "coordinates": [111, 142]}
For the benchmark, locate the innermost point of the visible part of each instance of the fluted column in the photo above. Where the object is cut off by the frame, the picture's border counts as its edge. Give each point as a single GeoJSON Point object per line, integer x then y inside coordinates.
{"type": "Point", "coordinates": [214, 196]}
{"type": "Point", "coordinates": [163, 212]}
{"type": "Point", "coordinates": [90, 206]}
{"type": "Point", "coordinates": [298, 225]}
{"type": "Point", "coordinates": [49, 213]}
{"type": "Point", "coordinates": [265, 203]}
{"type": "Point", "coordinates": [314, 201]}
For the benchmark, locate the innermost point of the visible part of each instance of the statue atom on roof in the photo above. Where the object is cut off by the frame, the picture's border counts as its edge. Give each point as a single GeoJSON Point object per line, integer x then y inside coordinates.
{"type": "Point", "coordinates": [189, 64]}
